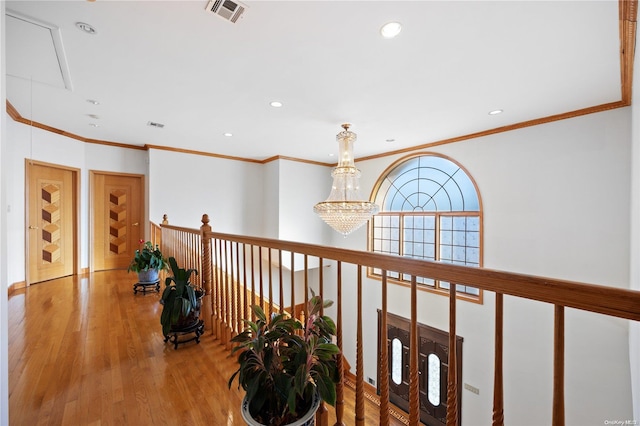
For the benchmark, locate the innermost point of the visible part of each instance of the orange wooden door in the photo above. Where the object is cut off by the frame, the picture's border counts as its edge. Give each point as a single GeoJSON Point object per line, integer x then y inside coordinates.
{"type": "Point", "coordinates": [117, 218]}
{"type": "Point", "coordinates": [52, 218]}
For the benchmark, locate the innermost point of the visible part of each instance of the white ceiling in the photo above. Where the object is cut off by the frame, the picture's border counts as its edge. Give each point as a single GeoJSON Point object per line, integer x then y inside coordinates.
{"type": "Point", "coordinates": [174, 63]}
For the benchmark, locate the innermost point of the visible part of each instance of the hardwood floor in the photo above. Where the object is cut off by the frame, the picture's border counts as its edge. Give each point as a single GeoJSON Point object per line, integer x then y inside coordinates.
{"type": "Point", "coordinates": [87, 351]}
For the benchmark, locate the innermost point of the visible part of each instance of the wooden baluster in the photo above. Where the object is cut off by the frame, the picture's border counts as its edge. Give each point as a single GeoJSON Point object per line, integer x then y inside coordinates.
{"type": "Point", "coordinates": [214, 289]}
{"type": "Point", "coordinates": [238, 285]}
{"type": "Point", "coordinates": [207, 301]}
{"type": "Point", "coordinates": [340, 364]}
{"type": "Point", "coordinates": [321, 282]}
{"type": "Point", "coordinates": [293, 287]}
{"type": "Point", "coordinates": [322, 415]}
{"type": "Point", "coordinates": [359, 357]}
{"type": "Point", "coordinates": [306, 284]}
{"type": "Point", "coordinates": [558, 367]}
{"type": "Point", "coordinates": [245, 289]}
{"type": "Point", "coordinates": [235, 329]}
{"type": "Point", "coordinates": [261, 278]}
{"type": "Point", "coordinates": [414, 378]}
{"type": "Point", "coordinates": [270, 285]}
{"type": "Point", "coordinates": [384, 358]}
{"type": "Point", "coordinates": [281, 288]}
{"type": "Point", "coordinates": [498, 389]}
{"type": "Point", "coordinates": [253, 281]}
{"type": "Point", "coordinates": [220, 320]}
{"type": "Point", "coordinates": [452, 387]}
{"type": "Point", "coordinates": [228, 300]}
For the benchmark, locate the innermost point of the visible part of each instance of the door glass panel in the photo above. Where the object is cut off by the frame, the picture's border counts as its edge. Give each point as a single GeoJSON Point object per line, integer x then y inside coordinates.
{"type": "Point", "coordinates": [433, 384]}
{"type": "Point", "coordinates": [396, 361]}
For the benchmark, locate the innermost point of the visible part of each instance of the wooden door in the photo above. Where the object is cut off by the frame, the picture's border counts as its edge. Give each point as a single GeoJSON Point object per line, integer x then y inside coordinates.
{"type": "Point", "coordinates": [52, 221]}
{"type": "Point", "coordinates": [117, 217]}
{"type": "Point", "coordinates": [433, 368]}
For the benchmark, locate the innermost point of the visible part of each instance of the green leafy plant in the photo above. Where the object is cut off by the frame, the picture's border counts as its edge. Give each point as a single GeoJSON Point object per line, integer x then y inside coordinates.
{"type": "Point", "coordinates": [149, 257]}
{"type": "Point", "coordinates": [180, 299]}
{"type": "Point", "coordinates": [282, 363]}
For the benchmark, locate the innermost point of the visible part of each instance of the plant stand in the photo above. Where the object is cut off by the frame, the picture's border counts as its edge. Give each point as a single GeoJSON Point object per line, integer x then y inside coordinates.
{"type": "Point", "coordinates": [143, 285]}
{"type": "Point", "coordinates": [197, 329]}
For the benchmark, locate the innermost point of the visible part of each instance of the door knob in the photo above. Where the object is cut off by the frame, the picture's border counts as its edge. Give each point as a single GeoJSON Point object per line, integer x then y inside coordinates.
{"type": "Point", "coordinates": [33, 227]}
{"type": "Point", "coordinates": [135, 224]}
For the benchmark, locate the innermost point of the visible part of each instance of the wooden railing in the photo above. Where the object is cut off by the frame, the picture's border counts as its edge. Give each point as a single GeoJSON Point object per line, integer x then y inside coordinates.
{"type": "Point", "coordinates": [233, 276]}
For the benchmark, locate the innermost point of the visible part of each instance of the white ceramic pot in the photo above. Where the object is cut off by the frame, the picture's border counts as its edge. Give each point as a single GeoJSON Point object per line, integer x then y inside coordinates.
{"type": "Point", "coordinates": [149, 276]}
{"type": "Point", "coordinates": [309, 419]}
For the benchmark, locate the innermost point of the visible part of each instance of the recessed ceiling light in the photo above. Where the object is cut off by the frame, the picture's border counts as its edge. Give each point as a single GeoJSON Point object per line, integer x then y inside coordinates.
{"type": "Point", "coordinates": [495, 112]}
{"type": "Point", "coordinates": [95, 117]}
{"type": "Point", "coordinates": [331, 154]}
{"type": "Point", "coordinates": [94, 125]}
{"type": "Point", "coordinates": [86, 28]}
{"type": "Point", "coordinates": [276, 104]}
{"type": "Point", "coordinates": [390, 140]}
{"type": "Point", "coordinates": [391, 29]}
{"type": "Point", "coordinates": [94, 102]}
{"type": "Point", "coordinates": [228, 134]}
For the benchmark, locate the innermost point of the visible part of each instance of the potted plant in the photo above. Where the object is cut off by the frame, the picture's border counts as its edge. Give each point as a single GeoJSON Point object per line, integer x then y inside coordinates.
{"type": "Point", "coordinates": [181, 301]}
{"type": "Point", "coordinates": [147, 263]}
{"type": "Point", "coordinates": [285, 367]}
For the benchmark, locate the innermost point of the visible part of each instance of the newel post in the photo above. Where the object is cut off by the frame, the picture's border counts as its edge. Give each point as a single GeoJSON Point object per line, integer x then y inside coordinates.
{"type": "Point", "coordinates": [207, 311]}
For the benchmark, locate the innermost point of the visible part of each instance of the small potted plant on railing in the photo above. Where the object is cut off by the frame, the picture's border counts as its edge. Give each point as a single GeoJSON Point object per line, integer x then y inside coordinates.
{"type": "Point", "coordinates": [180, 301]}
{"type": "Point", "coordinates": [147, 262]}
{"type": "Point", "coordinates": [285, 367]}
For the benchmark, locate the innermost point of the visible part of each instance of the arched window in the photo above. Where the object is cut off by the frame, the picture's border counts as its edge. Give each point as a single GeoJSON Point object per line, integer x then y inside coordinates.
{"type": "Point", "coordinates": [429, 209]}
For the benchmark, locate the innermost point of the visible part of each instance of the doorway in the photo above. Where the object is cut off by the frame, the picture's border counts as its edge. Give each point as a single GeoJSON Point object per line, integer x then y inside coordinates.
{"type": "Point", "coordinates": [52, 221]}
{"type": "Point", "coordinates": [433, 367]}
{"type": "Point", "coordinates": [117, 206]}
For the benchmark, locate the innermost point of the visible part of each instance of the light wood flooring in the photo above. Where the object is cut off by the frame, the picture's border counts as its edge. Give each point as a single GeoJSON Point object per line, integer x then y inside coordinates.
{"type": "Point", "coordinates": [87, 351]}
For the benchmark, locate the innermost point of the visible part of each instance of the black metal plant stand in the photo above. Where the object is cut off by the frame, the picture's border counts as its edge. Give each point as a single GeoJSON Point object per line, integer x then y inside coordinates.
{"type": "Point", "coordinates": [197, 329]}
{"type": "Point", "coordinates": [143, 286]}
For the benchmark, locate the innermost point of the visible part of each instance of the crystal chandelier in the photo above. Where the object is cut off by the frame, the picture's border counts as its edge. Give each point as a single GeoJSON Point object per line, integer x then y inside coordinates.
{"type": "Point", "coordinates": [345, 210]}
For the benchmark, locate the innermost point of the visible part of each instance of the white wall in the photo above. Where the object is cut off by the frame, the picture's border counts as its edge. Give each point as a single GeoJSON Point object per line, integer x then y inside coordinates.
{"type": "Point", "coordinates": [4, 320]}
{"type": "Point", "coordinates": [302, 185]}
{"type": "Point", "coordinates": [26, 142]}
{"type": "Point", "coordinates": [634, 326]}
{"type": "Point", "coordinates": [186, 186]}
{"type": "Point", "coordinates": [271, 194]}
{"type": "Point", "coordinates": [556, 204]}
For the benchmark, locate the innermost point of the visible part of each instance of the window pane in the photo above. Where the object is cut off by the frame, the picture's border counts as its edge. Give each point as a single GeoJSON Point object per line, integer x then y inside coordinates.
{"type": "Point", "coordinates": [396, 361]}
{"type": "Point", "coordinates": [433, 380]}
{"type": "Point", "coordinates": [460, 223]}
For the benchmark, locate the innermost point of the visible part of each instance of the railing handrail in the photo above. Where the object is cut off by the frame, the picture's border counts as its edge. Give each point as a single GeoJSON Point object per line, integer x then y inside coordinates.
{"type": "Point", "coordinates": [601, 299]}
{"type": "Point", "coordinates": [613, 301]}
{"type": "Point", "coordinates": [181, 229]}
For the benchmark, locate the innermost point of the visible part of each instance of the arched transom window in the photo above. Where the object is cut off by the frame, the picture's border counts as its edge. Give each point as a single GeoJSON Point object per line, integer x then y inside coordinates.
{"type": "Point", "coordinates": [429, 209]}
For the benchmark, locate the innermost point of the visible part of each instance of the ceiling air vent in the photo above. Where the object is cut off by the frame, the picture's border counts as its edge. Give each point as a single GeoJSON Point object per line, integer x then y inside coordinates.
{"type": "Point", "coordinates": [227, 9]}
{"type": "Point", "coordinates": [154, 124]}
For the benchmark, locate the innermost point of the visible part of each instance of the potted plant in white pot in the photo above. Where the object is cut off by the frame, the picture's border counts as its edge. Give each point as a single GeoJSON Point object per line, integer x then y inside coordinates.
{"type": "Point", "coordinates": [148, 262]}
{"type": "Point", "coordinates": [286, 368]}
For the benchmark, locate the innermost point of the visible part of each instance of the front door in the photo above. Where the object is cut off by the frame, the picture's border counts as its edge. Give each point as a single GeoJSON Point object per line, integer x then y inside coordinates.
{"type": "Point", "coordinates": [117, 218]}
{"type": "Point", "coordinates": [52, 218]}
{"type": "Point", "coordinates": [433, 368]}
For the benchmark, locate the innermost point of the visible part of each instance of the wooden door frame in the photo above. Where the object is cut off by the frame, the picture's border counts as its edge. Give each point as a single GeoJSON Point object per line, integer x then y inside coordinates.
{"type": "Point", "coordinates": [75, 173]}
{"type": "Point", "coordinates": [92, 174]}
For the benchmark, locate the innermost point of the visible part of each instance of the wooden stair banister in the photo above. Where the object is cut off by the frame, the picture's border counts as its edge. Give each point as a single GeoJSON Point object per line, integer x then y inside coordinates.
{"type": "Point", "coordinates": [229, 278]}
